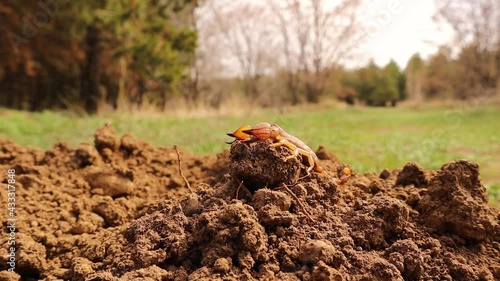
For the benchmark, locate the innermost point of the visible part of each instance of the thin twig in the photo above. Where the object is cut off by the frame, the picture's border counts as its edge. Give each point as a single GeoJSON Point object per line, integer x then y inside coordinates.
{"type": "Point", "coordinates": [180, 169]}
{"type": "Point", "coordinates": [303, 177]}
{"type": "Point", "coordinates": [298, 201]}
{"type": "Point", "coordinates": [238, 190]}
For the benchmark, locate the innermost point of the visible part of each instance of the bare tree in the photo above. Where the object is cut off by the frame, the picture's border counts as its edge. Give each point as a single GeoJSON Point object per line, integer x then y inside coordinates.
{"type": "Point", "coordinates": [244, 37]}
{"type": "Point", "coordinates": [319, 36]}
{"type": "Point", "coordinates": [477, 27]}
{"type": "Point", "coordinates": [305, 39]}
{"type": "Point", "coordinates": [292, 78]}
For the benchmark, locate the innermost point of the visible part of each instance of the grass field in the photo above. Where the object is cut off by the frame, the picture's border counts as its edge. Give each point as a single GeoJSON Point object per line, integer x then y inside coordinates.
{"type": "Point", "coordinates": [369, 139]}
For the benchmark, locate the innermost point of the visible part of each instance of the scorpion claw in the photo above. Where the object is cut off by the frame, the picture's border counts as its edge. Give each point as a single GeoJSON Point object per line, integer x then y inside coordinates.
{"type": "Point", "coordinates": [233, 136]}
{"type": "Point", "coordinates": [240, 134]}
{"type": "Point", "coordinates": [262, 131]}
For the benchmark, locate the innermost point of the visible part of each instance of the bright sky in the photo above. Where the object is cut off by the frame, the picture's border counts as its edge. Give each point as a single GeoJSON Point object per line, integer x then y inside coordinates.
{"type": "Point", "coordinates": [397, 29]}
{"type": "Point", "coordinates": [401, 28]}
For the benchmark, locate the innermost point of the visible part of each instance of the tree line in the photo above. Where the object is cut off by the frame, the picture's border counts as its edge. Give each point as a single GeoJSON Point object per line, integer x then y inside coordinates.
{"type": "Point", "coordinates": [65, 54]}
{"type": "Point", "coordinates": [122, 54]}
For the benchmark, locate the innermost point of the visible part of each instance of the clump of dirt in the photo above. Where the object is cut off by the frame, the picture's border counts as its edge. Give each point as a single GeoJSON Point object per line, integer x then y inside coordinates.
{"type": "Point", "coordinates": [119, 210]}
{"type": "Point", "coordinates": [258, 165]}
{"type": "Point", "coordinates": [412, 173]}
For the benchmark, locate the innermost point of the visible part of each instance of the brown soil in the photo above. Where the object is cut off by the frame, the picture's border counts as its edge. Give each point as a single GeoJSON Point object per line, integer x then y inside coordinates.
{"type": "Point", "coordinates": [119, 210]}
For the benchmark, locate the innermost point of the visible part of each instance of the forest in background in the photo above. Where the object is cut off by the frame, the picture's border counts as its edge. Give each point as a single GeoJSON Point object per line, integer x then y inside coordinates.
{"type": "Point", "coordinates": [90, 55]}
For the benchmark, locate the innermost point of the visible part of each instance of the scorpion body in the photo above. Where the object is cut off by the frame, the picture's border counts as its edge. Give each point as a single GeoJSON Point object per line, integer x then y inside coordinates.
{"type": "Point", "coordinates": [278, 136]}
{"type": "Point", "coordinates": [273, 132]}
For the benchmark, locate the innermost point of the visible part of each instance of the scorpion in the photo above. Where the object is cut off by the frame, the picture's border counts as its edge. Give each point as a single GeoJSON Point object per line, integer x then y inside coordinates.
{"type": "Point", "coordinates": [273, 132]}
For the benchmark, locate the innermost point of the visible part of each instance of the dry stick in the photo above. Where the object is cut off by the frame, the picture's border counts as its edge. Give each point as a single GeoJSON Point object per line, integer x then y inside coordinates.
{"type": "Point", "coordinates": [180, 169]}
{"type": "Point", "coordinates": [238, 190]}
{"type": "Point", "coordinates": [298, 201]}
{"type": "Point", "coordinates": [303, 177]}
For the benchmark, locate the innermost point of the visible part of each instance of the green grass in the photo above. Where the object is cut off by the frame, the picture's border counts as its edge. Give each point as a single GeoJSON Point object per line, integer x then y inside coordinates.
{"type": "Point", "coordinates": [369, 139]}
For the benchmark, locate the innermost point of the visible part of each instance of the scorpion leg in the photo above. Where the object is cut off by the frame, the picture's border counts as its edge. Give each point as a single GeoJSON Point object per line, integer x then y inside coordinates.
{"type": "Point", "coordinates": [285, 142]}
{"type": "Point", "coordinates": [280, 141]}
{"type": "Point", "coordinates": [310, 160]}
{"type": "Point", "coordinates": [296, 152]}
{"type": "Point", "coordinates": [347, 174]}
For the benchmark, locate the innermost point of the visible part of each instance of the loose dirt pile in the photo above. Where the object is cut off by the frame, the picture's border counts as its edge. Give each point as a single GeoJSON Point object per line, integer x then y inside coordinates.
{"type": "Point", "coordinates": [119, 210]}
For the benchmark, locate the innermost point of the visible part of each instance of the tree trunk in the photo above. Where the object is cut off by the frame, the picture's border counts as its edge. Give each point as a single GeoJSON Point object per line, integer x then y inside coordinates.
{"type": "Point", "coordinates": [313, 92]}
{"type": "Point", "coordinates": [251, 86]}
{"type": "Point", "coordinates": [91, 73]}
{"type": "Point", "coordinates": [293, 87]}
{"type": "Point", "coordinates": [192, 88]}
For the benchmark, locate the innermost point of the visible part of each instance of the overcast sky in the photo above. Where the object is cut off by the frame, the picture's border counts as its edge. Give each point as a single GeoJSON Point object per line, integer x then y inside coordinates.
{"type": "Point", "coordinates": [400, 29]}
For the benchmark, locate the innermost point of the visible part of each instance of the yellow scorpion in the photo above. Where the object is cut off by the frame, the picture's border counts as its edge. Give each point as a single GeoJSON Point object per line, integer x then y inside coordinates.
{"type": "Point", "coordinates": [273, 132]}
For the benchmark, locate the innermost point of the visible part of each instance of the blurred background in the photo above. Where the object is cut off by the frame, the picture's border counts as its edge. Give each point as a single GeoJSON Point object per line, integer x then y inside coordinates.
{"type": "Point", "coordinates": [113, 55]}
{"type": "Point", "coordinates": [379, 82]}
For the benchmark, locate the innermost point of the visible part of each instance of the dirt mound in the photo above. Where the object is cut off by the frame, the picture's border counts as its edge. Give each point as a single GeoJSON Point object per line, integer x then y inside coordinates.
{"type": "Point", "coordinates": [120, 210]}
